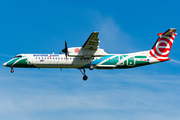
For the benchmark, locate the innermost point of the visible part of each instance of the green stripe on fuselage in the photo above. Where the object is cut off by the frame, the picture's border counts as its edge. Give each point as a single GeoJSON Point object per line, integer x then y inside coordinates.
{"type": "Point", "coordinates": [140, 56]}
{"type": "Point", "coordinates": [141, 60]}
{"type": "Point", "coordinates": [10, 63]}
{"type": "Point", "coordinates": [20, 63]}
{"type": "Point", "coordinates": [23, 63]}
{"type": "Point", "coordinates": [112, 61]}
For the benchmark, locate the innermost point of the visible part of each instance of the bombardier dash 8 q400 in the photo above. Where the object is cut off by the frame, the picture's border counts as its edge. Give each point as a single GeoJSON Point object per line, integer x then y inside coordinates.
{"type": "Point", "coordinates": [91, 56]}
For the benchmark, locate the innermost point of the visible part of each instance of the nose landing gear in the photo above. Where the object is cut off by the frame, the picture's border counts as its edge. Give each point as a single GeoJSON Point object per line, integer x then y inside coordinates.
{"type": "Point", "coordinates": [12, 70]}
{"type": "Point", "coordinates": [84, 77]}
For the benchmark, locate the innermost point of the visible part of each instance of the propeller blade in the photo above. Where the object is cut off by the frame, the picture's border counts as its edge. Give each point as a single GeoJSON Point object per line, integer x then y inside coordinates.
{"type": "Point", "coordinates": [66, 56]}
{"type": "Point", "coordinates": [65, 50]}
{"type": "Point", "coordinates": [65, 45]}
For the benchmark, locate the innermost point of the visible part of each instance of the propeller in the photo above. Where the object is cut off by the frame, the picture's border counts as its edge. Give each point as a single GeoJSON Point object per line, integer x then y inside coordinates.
{"type": "Point", "coordinates": [65, 50]}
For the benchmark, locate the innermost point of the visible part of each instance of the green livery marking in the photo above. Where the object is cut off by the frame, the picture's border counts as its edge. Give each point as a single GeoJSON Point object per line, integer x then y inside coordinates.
{"type": "Point", "coordinates": [111, 61]}
{"type": "Point", "coordinates": [10, 63]}
{"type": "Point", "coordinates": [131, 61]}
{"type": "Point", "coordinates": [140, 56]}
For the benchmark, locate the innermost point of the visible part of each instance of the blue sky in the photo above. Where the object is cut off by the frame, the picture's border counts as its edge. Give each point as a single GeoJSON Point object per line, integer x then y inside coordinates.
{"type": "Point", "coordinates": [148, 92]}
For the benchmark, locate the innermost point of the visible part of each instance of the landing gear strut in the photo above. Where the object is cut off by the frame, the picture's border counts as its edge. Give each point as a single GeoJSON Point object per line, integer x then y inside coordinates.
{"type": "Point", "coordinates": [12, 70]}
{"type": "Point", "coordinates": [84, 77]}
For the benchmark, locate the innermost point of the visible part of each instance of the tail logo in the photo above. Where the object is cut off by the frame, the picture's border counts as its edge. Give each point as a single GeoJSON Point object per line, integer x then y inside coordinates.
{"type": "Point", "coordinates": [162, 47]}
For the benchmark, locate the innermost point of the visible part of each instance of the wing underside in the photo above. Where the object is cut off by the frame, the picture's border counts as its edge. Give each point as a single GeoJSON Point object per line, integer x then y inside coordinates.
{"type": "Point", "coordinates": [92, 42]}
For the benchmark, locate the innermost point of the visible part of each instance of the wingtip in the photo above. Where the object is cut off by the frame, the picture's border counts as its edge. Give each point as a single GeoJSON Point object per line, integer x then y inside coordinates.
{"type": "Point", "coordinates": [95, 32]}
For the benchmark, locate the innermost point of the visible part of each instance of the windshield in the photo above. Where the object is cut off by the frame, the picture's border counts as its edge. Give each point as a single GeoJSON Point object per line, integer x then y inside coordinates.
{"type": "Point", "coordinates": [17, 56]}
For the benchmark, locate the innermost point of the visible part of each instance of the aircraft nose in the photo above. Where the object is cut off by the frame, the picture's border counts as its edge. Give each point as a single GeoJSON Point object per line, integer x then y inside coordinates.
{"type": "Point", "coordinates": [4, 64]}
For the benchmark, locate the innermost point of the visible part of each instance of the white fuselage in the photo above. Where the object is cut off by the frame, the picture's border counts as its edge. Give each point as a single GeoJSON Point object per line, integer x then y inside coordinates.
{"type": "Point", "coordinates": [60, 61]}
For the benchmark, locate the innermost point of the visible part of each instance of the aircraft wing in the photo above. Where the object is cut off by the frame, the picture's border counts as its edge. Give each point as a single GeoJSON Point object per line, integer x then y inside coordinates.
{"type": "Point", "coordinates": [92, 42]}
{"type": "Point", "coordinates": [89, 49]}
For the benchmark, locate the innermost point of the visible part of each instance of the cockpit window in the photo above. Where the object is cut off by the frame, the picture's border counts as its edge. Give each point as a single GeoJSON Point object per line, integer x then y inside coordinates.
{"type": "Point", "coordinates": [18, 56]}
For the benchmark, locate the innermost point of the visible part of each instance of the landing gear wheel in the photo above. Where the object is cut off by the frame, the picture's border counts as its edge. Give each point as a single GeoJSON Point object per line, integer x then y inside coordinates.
{"type": "Point", "coordinates": [91, 67]}
{"type": "Point", "coordinates": [85, 77]}
{"type": "Point", "coordinates": [12, 70]}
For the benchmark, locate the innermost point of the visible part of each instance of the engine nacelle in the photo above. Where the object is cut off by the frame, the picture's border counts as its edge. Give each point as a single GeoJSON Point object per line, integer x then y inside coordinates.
{"type": "Point", "coordinates": [86, 53]}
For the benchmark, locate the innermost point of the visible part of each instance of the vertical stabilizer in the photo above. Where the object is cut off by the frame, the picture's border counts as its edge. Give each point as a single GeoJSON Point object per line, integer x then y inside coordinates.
{"type": "Point", "coordinates": [163, 45]}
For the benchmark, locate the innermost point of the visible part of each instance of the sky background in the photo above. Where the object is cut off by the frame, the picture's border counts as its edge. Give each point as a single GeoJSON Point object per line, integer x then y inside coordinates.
{"type": "Point", "coordinates": [30, 26]}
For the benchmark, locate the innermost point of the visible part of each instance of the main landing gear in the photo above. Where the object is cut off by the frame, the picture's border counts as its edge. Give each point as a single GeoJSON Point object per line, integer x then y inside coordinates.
{"type": "Point", "coordinates": [89, 60]}
{"type": "Point", "coordinates": [91, 67]}
{"type": "Point", "coordinates": [83, 72]}
{"type": "Point", "coordinates": [12, 70]}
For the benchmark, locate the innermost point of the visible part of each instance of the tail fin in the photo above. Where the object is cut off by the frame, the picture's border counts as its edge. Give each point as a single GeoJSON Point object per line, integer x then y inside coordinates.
{"type": "Point", "coordinates": [162, 47]}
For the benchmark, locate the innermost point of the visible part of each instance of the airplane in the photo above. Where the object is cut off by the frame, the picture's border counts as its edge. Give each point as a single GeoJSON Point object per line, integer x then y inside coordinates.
{"type": "Point", "coordinates": [91, 56]}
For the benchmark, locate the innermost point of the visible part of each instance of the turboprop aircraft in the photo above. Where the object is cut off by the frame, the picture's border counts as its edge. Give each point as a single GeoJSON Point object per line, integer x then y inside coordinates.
{"type": "Point", "coordinates": [91, 56]}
